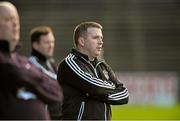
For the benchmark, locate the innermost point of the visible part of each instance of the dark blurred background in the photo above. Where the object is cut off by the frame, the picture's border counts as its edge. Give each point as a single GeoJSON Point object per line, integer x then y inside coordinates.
{"type": "Point", "coordinates": [139, 35]}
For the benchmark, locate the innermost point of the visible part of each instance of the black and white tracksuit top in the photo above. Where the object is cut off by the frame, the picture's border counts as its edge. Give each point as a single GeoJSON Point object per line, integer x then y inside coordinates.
{"type": "Point", "coordinates": [89, 88]}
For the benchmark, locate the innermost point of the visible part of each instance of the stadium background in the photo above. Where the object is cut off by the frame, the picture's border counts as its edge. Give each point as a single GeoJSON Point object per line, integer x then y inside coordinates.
{"type": "Point", "coordinates": [142, 44]}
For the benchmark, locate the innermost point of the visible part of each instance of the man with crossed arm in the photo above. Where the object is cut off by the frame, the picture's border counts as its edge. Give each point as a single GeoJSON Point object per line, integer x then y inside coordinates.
{"type": "Point", "coordinates": [89, 84]}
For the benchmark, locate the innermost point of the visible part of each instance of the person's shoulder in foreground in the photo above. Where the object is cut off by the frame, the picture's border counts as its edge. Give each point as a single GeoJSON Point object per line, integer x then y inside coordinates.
{"type": "Point", "coordinates": [24, 89]}
{"type": "Point", "coordinates": [89, 84]}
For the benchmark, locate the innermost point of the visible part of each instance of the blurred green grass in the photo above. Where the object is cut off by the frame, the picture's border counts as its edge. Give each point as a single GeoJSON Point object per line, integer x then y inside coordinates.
{"type": "Point", "coordinates": [130, 112]}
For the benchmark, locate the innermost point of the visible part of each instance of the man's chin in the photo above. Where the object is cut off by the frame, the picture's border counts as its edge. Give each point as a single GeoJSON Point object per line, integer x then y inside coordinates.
{"type": "Point", "coordinates": [15, 40]}
{"type": "Point", "coordinates": [49, 56]}
{"type": "Point", "coordinates": [98, 53]}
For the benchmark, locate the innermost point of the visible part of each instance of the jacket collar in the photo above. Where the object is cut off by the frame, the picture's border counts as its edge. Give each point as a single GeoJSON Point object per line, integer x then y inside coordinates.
{"type": "Point", "coordinates": [79, 54]}
{"type": "Point", "coordinates": [4, 46]}
{"type": "Point", "coordinates": [85, 57]}
{"type": "Point", "coordinates": [38, 55]}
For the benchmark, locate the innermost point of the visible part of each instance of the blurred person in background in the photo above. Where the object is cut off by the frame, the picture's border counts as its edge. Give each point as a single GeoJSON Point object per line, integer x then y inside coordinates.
{"type": "Point", "coordinates": [24, 89]}
{"type": "Point", "coordinates": [89, 84]}
{"type": "Point", "coordinates": [42, 44]}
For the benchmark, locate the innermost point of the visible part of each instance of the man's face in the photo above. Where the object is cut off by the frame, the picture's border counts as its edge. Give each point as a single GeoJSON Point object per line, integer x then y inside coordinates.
{"type": "Point", "coordinates": [93, 42]}
{"type": "Point", "coordinates": [45, 46]}
{"type": "Point", "coordinates": [9, 25]}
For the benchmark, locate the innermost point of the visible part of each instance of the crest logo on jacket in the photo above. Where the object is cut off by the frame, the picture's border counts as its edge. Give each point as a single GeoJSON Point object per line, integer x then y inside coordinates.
{"type": "Point", "coordinates": [106, 74]}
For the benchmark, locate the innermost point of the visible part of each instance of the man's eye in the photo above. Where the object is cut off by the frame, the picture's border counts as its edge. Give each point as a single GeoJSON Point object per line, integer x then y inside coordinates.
{"type": "Point", "coordinates": [7, 19]}
{"type": "Point", "coordinates": [95, 37]}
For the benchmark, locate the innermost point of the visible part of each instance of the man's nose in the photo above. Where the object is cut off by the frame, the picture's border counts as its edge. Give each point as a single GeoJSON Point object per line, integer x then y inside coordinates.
{"type": "Point", "coordinates": [100, 41]}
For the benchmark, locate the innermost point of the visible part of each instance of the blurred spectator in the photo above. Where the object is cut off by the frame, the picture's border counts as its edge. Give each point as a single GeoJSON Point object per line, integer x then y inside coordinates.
{"type": "Point", "coordinates": [42, 44]}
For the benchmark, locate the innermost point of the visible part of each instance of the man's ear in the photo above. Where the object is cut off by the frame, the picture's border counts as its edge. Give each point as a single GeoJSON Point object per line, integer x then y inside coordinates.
{"type": "Point", "coordinates": [81, 41]}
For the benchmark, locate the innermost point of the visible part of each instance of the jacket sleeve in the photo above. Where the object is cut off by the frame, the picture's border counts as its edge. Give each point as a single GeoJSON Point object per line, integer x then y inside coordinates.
{"type": "Point", "coordinates": [120, 95]}
{"type": "Point", "coordinates": [69, 72]}
{"type": "Point", "coordinates": [26, 75]}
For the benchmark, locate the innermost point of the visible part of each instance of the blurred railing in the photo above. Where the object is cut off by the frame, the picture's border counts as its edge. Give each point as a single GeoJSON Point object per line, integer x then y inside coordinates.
{"type": "Point", "coordinates": [152, 88]}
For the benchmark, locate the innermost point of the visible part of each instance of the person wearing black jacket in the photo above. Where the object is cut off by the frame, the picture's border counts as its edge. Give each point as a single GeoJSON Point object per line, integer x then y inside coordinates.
{"type": "Point", "coordinates": [24, 89]}
{"type": "Point", "coordinates": [89, 84]}
{"type": "Point", "coordinates": [42, 44]}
